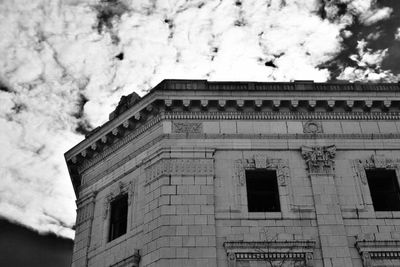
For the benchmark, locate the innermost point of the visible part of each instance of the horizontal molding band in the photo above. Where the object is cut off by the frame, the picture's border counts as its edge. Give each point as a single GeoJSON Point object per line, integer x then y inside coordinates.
{"type": "Point", "coordinates": [280, 116]}
{"type": "Point", "coordinates": [91, 162]}
{"type": "Point", "coordinates": [284, 136]}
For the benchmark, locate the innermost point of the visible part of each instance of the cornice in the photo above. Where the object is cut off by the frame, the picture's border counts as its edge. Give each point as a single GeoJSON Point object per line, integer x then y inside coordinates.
{"type": "Point", "coordinates": [297, 85]}
{"type": "Point", "coordinates": [203, 100]}
{"type": "Point", "coordinates": [88, 163]}
{"type": "Point", "coordinates": [132, 134]}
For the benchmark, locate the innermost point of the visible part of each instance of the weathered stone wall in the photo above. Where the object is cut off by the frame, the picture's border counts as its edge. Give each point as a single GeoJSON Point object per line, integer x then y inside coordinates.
{"type": "Point", "coordinates": [187, 196]}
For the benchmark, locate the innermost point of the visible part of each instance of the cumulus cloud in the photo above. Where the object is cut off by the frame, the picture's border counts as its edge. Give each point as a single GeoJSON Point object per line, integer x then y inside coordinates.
{"type": "Point", "coordinates": [369, 12]}
{"type": "Point", "coordinates": [66, 63]}
{"type": "Point", "coordinates": [368, 65]}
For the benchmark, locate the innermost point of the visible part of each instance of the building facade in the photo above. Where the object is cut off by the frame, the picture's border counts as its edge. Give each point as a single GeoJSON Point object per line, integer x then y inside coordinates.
{"type": "Point", "coordinates": [200, 173]}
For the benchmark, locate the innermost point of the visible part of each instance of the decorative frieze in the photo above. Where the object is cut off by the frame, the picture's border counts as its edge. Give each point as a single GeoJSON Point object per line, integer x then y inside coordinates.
{"type": "Point", "coordinates": [226, 115]}
{"type": "Point", "coordinates": [262, 162]}
{"type": "Point", "coordinates": [187, 127]}
{"type": "Point", "coordinates": [277, 252]}
{"type": "Point", "coordinates": [319, 159]}
{"type": "Point", "coordinates": [378, 250]}
{"type": "Point", "coordinates": [198, 167]}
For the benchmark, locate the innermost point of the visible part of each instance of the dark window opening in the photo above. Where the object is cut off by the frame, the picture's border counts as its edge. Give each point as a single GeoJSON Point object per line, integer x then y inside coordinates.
{"type": "Point", "coordinates": [384, 189]}
{"type": "Point", "coordinates": [262, 191]}
{"type": "Point", "coordinates": [118, 217]}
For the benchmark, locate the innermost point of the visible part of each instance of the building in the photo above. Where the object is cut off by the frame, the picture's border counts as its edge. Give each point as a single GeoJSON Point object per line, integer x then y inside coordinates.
{"type": "Point", "coordinates": [200, 173]}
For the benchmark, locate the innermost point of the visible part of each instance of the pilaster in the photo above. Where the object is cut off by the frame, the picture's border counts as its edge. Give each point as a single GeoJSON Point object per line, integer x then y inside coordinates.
{"type": "Point", "coordinates": [332, 232]}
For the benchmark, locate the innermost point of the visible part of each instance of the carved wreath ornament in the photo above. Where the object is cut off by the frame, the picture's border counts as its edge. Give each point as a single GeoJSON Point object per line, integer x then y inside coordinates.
{"type": "Point", "coordinates": [312, 127]}
{"type": "Point", "coordinates": [262, 162]}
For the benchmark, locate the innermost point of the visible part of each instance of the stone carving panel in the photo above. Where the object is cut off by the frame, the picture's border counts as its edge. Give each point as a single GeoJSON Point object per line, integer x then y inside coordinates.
{"type": "Point", "coordinates": [203, 167]}
{"type": "Point", "coordinates": [379, 251]}
{"type": "Point", "coordinates": [273, 253]}
{"type": "Point", "coordinates": [262, 162]}
{"type": "Point", "coordinates": [312, 127]}
{"type": "Point", "coordinates": [319, 159]}
{"type": "Point", "coordinates": [187, 127]}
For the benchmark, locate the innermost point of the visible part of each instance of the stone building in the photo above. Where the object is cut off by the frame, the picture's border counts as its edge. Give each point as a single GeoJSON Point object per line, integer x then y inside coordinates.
{"type": "Point", "coordinates": [200, 173]}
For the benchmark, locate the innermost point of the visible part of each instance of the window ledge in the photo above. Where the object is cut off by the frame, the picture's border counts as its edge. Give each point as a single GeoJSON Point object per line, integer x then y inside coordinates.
{"type": "Point", "coordinates": [264, 215]}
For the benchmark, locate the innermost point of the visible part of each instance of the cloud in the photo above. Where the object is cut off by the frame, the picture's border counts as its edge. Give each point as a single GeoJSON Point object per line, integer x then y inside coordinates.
{"type": "Point", "coordinates": [368, 65]}
{"type": "Point", "coordinates": [397, 34]}
{"type": "Point", "coordinates": [65, 64]}
{"type": "Point", "coordinates": [369, 12]}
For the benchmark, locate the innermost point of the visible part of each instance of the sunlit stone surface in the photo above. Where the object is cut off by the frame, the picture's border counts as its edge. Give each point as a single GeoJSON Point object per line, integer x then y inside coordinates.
{"type": "Point", "coordinates": [183, 155]}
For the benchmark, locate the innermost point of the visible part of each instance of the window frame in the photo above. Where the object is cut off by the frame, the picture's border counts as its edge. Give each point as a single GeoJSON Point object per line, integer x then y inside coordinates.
{"type": "Point", "coordinates": [263, 175]}
{"type": "Point", "coordinates": [239, 208]}
{"type": "Point", "coordinates": [373, 192]}
{"type": "Point", "coordinates": [111, 235]}
{"type": "Point", "coordinates": [365, 204]}
{"type": "Point", "coordinates": [116, 190]}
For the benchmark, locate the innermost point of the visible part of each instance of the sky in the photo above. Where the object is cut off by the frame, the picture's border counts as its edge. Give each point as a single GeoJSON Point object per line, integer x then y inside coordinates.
{"type": "Point", "coordinates": [33, 249]}
{"type": "Point", "coordinates": [64, 64]}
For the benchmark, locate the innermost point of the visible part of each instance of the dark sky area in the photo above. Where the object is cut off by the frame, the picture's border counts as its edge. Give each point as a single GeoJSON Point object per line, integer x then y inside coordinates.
{"type": "Point", "coordinates": [22, 247]}
{"type": "Point", "coordinates": [384, 38]}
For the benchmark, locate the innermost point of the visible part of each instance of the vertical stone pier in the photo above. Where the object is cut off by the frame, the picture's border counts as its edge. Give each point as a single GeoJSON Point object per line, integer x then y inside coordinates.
{"type": "Point", "coordinates": [332, 232]}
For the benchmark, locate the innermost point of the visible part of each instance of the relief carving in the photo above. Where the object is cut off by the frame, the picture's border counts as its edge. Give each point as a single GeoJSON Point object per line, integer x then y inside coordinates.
{"type": "Point", "coordinates": [373, 251]}
{"type": "Point", "coordinates": [116, 190]}
{"type": "Point", "coordinates": [312, 127]}
{"type": "Point", "coordinates": [273, 253]}
{"type": "Point", "coordinates": [319, 159]}
{"type": "Point", "coordinates": [374, 162]}
{"type": "Point", "coordinates": [262, 162]}
{"type": "Point", "coordinates": [197, 167]}
{"type": "Point", "coordinates": [187, 127]}
{"type": "Point", "coordinates": [366, 259]}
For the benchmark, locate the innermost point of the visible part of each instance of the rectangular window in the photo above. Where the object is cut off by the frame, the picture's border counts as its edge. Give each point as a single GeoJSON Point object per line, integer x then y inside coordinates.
{"type": "Point", "coordinates": [384, 189]}
{"type": "Point", "coordinates": [118, 217]}
{"type": "Point", "coordinates": [262, 191]}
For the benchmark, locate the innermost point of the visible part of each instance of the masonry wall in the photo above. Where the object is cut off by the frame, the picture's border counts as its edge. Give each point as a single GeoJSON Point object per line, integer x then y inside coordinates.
{"type": "Point", "coordinates": [187, 197]}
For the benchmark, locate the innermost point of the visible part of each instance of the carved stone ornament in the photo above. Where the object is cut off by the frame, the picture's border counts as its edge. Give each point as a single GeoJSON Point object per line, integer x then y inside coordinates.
{"type": "Point", "coordinates": [312, 127]}
{"type": "Point", "coordinates": [187, 127]}
{"type": "Point", "coordinates": [374, 162]}
{"type": "Point", "coordinates": [319, 159]}
{"type": "Point", "coordinates": [383, 251]}
{"type": "Point", "coordinates": [199, 167]}
{"type": "Point", "coordinates": [272, 252]}
{"type": "Point", "coordinates": [262, 162]}
{"type": "Point", "coordinates": [117, 189]}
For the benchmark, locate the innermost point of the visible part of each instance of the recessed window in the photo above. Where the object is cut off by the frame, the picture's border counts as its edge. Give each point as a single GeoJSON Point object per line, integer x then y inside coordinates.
{"type": "Point", "coordinates": [384, 189]}
{"type": "Point", "coordinates": [118, 217]}
{"type": "Point", "coordinates": [262, 191]}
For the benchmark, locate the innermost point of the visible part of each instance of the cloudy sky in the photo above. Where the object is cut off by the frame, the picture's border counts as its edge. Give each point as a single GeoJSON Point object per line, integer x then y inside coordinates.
{"type": "Point", "coordinates": [64, 64]}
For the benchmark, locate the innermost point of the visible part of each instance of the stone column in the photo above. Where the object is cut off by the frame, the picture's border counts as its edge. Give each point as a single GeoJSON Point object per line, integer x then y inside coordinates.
{"type": "Point", "coordinates": [332, 232]}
